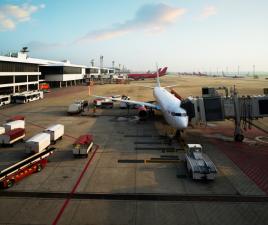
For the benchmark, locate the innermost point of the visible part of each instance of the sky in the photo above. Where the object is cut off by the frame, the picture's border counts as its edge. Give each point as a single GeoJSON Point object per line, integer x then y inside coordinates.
{"type": "Point", "coordinates": [189, 35]}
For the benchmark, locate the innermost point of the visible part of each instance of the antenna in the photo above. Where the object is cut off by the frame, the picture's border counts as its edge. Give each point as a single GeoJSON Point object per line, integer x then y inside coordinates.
{"type": "Point", "coordinates": [24, 50]}
{"type": "Point", "coordinates": [92, 62]}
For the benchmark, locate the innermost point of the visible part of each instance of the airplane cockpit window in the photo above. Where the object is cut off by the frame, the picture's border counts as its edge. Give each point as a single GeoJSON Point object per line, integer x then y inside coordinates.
{"type": "Point", "coordinates": [178, 114]}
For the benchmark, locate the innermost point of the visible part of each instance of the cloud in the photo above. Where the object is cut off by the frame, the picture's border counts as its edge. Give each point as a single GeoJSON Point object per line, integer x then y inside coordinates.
{"type": "Point", "coordinates": [208, 11]}
{"type": "Point", "coordinates": [11, 15]}
{"type": "Point", "coordinates": [151, 17]}
{"type": "Point", "coordinates": [38, 45]}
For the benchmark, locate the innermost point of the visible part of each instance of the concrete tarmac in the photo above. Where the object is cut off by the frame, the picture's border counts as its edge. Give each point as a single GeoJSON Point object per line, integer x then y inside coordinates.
{"type": "Point", "coordinates": [117, 139]}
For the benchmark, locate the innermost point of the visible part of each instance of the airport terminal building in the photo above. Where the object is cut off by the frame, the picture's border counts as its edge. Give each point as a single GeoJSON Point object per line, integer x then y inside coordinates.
{"type": "Point", "coordinates": [19, 73]}
{"type": "Point", "coordinates": [62, 73]}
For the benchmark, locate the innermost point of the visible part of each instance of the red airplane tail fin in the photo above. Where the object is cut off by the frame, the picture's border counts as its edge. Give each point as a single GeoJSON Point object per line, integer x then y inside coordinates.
{"type": "Point", "coordinates": [163, 72]}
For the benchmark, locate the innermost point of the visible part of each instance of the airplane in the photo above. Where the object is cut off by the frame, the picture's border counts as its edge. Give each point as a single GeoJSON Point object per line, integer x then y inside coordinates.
{"type": "Point", "coordinates": [142, 76]}
{"type": "Point", "coordinates": [167, 103]}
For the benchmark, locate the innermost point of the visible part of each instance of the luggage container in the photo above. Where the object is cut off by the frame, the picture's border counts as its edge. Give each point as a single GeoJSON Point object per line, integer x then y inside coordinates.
{"type": "Point", "coordinates": [14, 118]}
{"type": "Point", "coordinates": [2, 130]}
{"type": "Point", "coordinates": [56, 132]}
{"type": "Point", "coordinates": [83, 145]}
{"type": "Point", "coordinates": [12, 136]}
{"type": "Point", "coordinates": [14, 125]}
{"type": "Point", "coordinates": [37, 143]}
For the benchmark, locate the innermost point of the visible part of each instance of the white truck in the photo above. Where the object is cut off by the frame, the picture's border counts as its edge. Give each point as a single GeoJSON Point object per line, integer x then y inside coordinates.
{"type": "Point", "coordinates": [77, 106]}
{"type": "Point", "coordinates": [55, 131]}
{"type": "Point", "coordinates": [5, 100]}
{"type": "Point", "coordinates": [199, 164]}
{"type": "Point", "coordinates": [27, 96]}
{"type": "Point", "coordinates": [37, 143]}
{"type": "Point", "coordinates": [83, 145]}
{"type": "Point", "coordinates": [14, 125]}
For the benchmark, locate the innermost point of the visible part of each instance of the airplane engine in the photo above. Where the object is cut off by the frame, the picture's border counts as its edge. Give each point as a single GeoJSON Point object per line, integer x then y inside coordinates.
{"type": "Point", "coordinates": [143, 113]}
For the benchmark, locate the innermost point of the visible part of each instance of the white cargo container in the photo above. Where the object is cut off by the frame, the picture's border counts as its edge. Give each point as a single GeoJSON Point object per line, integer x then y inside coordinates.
{"type": "Point", "coordinates": [14, 125]}
{"type": "Point", "coordinates": [37, 143]}
{"type": "Point", "coordinates": [2, 130]}
{"type": "Point", "coordinates": [56, 132]}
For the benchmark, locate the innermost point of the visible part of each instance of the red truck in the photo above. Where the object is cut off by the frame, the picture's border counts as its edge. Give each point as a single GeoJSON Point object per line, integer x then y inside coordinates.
{"type": "Point", "coordinates": [44, 87]}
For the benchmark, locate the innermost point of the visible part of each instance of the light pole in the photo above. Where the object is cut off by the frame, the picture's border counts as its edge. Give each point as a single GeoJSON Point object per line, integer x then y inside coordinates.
{"type": "Point", "coordinates": [92, 62]}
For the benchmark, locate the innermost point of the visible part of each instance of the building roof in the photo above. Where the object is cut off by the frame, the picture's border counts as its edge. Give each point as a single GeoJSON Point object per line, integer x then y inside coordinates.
{"type": "Point", "coordinates": [64, 64]}
{"type": "Point", "coordinates": [23, 58]}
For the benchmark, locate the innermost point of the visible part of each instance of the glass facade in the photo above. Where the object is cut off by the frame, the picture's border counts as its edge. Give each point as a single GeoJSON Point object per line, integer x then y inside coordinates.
{"type": "Point", "coordinates": [32, 78]}
{"type": "Point", "coordinates": [47, 70]}
{"type": "Point", "coordinates": [20, 79]}
{"type": "Point", "coordinates": [104, 71]}
{"type": "Point", "coordinates": [72, 70]}
{"type": "Point", "coordinates": [92, 70]}
{"type": "Point", "coordinates": [17, 67]}
{"type": "Point", "coordinates": [6, 79]}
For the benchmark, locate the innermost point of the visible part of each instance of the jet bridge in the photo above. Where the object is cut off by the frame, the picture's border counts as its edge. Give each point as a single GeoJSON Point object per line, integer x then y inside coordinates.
{"type": "Point", "coordinates": [215, 107]}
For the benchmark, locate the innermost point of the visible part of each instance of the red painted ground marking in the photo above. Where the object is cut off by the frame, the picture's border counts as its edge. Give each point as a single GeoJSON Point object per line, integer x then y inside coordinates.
{"type": "Point", "coordinates": [66, 202]}
{"type": "Point", "coordinates": [249, 159]}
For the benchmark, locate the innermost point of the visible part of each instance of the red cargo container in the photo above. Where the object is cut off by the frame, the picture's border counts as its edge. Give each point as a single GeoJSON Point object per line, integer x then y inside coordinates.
{"type": "Point", "coordinates": [14, 118]}
{"type": "Point", "coordinates": [12, 136]}
{"type": "Point", "coordinates": [84, 139]}
{"type": "Point", "coordinates": [83, 145]}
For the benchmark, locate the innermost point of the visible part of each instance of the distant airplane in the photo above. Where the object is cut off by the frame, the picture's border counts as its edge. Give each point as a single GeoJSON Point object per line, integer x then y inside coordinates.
{"type": "Point", "coordinates": [142, 76]}
{"type": "Point", "coordinates": [168, 104]}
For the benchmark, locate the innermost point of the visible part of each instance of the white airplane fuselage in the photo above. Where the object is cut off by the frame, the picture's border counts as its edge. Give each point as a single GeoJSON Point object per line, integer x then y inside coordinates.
{"type": "Point", "coordinates": [171, 108]}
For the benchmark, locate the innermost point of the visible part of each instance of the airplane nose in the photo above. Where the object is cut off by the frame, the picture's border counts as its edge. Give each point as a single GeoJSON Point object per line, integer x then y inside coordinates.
{"type": "Point", "coordinates": [183, 123]}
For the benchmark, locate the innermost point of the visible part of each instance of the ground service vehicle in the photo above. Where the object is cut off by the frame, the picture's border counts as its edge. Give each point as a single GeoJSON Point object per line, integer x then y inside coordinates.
{"type": "Point", "coordinates": [83, 145]}
{"type": "Point", "coordinates": [5, 100]}
{"type": "Point", "coordinates": [27, 96]}
{"type": "Point", "coordinates": [198, 164]}
{"type": "Point", "coordinates": [24, 168]}
{"type": "Point", "coordinates": [77, 106]}
{"type": "Point", "coordinates": [44, 87]}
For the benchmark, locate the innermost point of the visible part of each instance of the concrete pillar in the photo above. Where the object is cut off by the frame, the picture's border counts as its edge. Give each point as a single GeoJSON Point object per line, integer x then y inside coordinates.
{"type": "Point", "coordinates": [27, 86]}
{"type": "Point", "coordinates": [60, 84]}
{"type": "Point", "coordinates": [14, 87]}
{"type": "Point", "coordinates": [66, 84]}
{"type": "Point", "coordinates": [74, 82]}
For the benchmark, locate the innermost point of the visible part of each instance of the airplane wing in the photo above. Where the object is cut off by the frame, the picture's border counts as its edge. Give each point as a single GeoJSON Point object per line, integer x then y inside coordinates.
{"type": "Point", "coordinates": [153, 106]}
